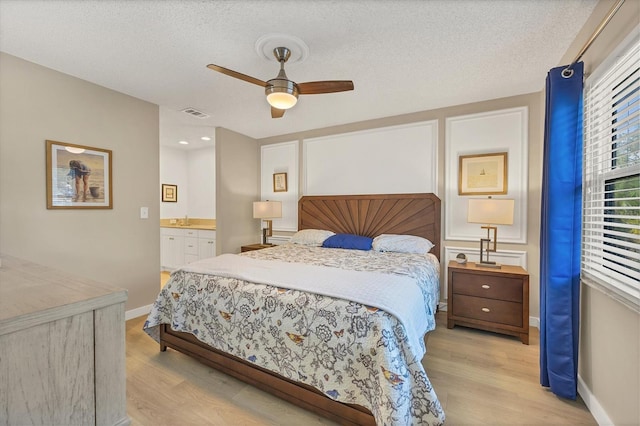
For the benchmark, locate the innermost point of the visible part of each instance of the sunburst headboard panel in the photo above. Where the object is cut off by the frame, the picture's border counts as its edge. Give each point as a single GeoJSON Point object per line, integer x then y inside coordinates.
{"type": "Point", "coordinates": [372, 215]}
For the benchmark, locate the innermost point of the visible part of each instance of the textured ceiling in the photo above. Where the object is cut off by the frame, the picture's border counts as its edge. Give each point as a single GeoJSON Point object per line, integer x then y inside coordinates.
{"type": "Point", "coordinates": [403, 56]}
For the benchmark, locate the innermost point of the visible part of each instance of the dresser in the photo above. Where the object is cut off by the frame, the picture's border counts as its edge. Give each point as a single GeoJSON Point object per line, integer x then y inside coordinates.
{"type": "Point", "coordinates": [62, 348]}
{"type": "Point", "coordinates": [489, 299]}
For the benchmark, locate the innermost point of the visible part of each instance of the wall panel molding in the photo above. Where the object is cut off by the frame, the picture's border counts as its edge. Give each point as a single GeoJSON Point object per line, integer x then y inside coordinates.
{"type": "Point", "coordinates": [388, 160]}
{"type": "Point", "coordinates": [281, 158]}
{"type": "Point", "coordinates": [488, 132]}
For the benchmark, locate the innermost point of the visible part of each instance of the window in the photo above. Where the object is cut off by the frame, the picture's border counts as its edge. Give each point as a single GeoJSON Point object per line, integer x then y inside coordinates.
{"type": "Point", "coordinates": [611, 187]}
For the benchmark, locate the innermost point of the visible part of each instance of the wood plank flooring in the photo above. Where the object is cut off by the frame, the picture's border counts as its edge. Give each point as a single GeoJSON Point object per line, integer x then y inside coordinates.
{"type": "Point", "coordinates": [481, 378]}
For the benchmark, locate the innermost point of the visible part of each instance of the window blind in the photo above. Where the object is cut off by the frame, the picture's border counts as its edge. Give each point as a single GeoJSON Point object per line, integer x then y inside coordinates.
{"type": "Point", "coordinates": [611, 170]}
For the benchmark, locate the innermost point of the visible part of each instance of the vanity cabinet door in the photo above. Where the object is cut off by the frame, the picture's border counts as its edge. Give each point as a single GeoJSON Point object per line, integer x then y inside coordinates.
{"type": "Point", "coordinates": [171, 248]}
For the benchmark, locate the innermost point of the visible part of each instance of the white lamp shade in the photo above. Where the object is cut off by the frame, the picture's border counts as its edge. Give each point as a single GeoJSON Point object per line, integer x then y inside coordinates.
{"type": "Point", "coordinates": [267, 209]}
{"type": "Point", "coordinates": [491, 211]}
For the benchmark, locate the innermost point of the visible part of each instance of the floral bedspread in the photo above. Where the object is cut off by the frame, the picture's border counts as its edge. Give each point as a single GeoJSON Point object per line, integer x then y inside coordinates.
{"type": "Point", "coordinates": [351, 352]}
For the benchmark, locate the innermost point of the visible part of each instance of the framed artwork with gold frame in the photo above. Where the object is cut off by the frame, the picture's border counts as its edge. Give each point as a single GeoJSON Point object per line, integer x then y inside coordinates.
{"type": "Point", "coordinates": [279, 182]}
{"type": "Point", "coordinates": [78, 176]}
{"type": "Point", "coordinates": [482, 174]}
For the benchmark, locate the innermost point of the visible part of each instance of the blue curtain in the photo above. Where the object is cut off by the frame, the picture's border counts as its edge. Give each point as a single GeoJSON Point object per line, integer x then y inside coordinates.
{"type": "Point", "coordinates": [560, 232]}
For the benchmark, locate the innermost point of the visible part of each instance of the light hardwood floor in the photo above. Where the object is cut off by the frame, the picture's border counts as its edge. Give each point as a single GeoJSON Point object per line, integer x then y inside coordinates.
{"type": "Point", "coordinates": [481, 378]}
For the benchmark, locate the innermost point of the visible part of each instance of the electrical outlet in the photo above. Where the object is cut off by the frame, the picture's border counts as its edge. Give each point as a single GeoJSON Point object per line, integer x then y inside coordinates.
{"type": "Point", "coordinates": [144, 212]}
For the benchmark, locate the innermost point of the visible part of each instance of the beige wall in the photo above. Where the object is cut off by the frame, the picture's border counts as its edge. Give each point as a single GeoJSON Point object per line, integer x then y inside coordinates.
{"type": "Point", "coordinates": [535, 104]}
{"type": "Point", "coordinates": [112, 246]}
{"type": "Point", "coordinates": [609, 365]}
{"type": "Point", "coordinates": [609, 356]}
{"type": "Point", "coordinates": [237, 187]}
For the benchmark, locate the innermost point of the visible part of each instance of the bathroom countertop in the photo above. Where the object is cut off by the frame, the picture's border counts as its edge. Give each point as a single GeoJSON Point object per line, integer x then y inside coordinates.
{"type": "Point", "coordinates": [194, 226]}
{"type": "Point", "coordinates": [195, 223]}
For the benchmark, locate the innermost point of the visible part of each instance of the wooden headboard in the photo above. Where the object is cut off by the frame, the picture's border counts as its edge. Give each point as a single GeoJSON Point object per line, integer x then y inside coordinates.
{"type": "Point", "coordinates": [372, 215]}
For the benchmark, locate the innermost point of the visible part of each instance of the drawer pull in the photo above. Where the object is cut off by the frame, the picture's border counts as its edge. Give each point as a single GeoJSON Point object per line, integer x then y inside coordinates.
{"type": "Point", "coordinates": [171, 238]}
{"type": "Point", "coordinates": [487, 286]}
{"type": "Point", "coordinates": [486, 310]}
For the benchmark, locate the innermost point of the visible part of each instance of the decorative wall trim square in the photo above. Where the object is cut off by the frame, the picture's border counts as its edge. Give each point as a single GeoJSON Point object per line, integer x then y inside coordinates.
{"type": "Point", "coordinates": [495, 131]}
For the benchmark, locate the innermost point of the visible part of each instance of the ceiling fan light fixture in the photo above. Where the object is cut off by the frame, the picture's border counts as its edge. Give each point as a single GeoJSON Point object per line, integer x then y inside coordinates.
{"type": "Point", "coordinates": [281, 93]}
{"type": "Point", "coordinates": [281, 100]}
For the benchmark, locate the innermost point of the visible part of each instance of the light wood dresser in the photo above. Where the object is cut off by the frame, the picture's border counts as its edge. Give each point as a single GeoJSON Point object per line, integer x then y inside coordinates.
{"type": "Point", "coordinates": [489, 299]}
{"type": "Point", "coordinates": [62, 348]}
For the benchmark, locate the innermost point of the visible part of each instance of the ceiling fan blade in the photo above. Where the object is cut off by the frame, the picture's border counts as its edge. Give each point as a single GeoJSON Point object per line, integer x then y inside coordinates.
{"type": "Point", "coordinates": [318, 87]}
{"type": "Point", "coordinates": [277, 113]}
{"type": "Point", "coordinates": [236, 74]}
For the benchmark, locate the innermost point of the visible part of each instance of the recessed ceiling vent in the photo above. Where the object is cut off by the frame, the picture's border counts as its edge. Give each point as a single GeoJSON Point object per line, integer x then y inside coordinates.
{"type": "Point", "coordinates": [195, 113]}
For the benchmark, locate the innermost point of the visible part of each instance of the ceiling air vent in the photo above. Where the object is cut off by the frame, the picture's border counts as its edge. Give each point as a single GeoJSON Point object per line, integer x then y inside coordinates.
{"type": "Point", "coordinates": [194, 112]}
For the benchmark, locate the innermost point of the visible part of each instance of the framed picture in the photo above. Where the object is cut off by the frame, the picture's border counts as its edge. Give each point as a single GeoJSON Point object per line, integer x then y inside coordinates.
{"type": "Point", "coordinates": [279, 182]}
{"type": "Point", "coordinates": [482, 174]}
{"type": "Point", "coordinates": [78, 176]}
{"type": "Point", "coordinates": [169, 193]}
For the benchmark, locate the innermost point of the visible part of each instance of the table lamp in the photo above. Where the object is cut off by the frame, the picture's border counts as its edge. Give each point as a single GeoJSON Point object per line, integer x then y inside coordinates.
{"type": "Point", "coordinates": [267, 210]}
{"type": "Point", "coordinates": [490, 211]}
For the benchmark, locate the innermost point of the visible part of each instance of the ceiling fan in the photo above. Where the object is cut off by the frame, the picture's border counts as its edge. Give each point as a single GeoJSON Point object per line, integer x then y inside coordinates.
{"type": "Point", "coordinates": [281, 92]}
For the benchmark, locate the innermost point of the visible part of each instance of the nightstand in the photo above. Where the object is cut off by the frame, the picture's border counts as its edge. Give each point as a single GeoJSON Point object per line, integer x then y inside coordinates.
{"type": "Point", "coordinates": [252, 247]}
{"type": "Point", "coordinates": [489, 299]}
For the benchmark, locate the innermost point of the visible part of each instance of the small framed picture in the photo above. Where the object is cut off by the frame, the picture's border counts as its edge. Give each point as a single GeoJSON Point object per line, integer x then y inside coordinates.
{"type": "Point", "coordinates": [78, 176]}
{"type": "Point", "coordinates": [279, 182]}
{"type": "Point", "coordinates": [169, 193]}
{"type": "Point", "coordinates": [482, 174]}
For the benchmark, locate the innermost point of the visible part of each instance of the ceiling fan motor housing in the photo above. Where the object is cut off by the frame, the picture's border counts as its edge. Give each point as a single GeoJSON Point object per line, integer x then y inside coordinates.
{"type": "Point", "coordinates": [281, 93]}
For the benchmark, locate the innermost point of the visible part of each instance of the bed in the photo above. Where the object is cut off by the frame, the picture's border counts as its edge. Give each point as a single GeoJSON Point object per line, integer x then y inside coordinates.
{"type": "Point", "coordinates": [347, 352]}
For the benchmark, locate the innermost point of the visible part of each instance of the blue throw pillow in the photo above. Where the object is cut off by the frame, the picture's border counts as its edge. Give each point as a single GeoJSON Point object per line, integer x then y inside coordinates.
{"type": "Point", "coordinates": [348, 241]}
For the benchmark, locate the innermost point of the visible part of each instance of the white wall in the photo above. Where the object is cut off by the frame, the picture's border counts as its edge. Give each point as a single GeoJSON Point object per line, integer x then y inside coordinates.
{"type": "Point", "coordinates": [388, 160]}
{"type": "Point", "coordinates": [173, 171]}
{"type": "Point", "coordinates": [193, 171]}
{"type": "Point", "coordinates": [281, 158]}
{"type": "Point", "coordinates": [201, 183]}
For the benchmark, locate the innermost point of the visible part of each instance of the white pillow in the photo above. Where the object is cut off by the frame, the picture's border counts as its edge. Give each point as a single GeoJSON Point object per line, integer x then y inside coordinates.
{"type": "Point", "coordinates": [311, 237]}
{"type": "Point", "coordinates": [402, 243]}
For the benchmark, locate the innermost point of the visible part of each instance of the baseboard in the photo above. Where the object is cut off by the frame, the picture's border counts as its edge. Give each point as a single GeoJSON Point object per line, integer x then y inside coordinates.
{"type": "Point", "coordinates": [534, 322]}
{"type": "Point", "coordinates": [137, 312]}
{"type": "Point", "coordinates": [592, 404]}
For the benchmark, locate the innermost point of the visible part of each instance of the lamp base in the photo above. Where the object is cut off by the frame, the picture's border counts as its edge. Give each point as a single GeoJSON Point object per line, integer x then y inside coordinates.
{"type": "Point", "coordinates": [493, 265]}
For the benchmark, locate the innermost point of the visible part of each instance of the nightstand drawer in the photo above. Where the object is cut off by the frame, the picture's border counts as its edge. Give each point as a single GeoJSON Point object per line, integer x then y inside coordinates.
{"type": "Point", "coordinates": [491, 310]}
{"type": "Point", "coordinates": [488, 286]}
